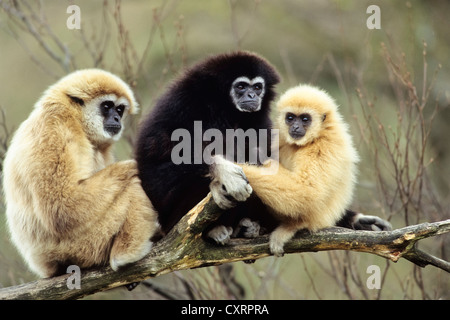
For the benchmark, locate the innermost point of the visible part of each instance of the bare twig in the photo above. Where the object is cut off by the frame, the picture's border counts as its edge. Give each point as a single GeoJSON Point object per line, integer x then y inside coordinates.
{"type": "Point", "coordinates": [34, 25]}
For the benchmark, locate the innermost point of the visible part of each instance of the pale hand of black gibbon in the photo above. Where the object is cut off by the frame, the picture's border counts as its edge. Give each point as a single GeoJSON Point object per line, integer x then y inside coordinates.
{"type": "Point", "coordinates": [229, 183]}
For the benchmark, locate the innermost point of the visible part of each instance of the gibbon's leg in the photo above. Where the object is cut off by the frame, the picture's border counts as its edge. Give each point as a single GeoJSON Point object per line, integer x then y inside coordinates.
{"type": "Point", "coordinates": [97, 195]}
{"type": "Point", "coordinates": [43, 266]}
{"type": "Point", "coordinates": [119, 208]}
{"type": "Point", "coordinates": [133, 241]}
{"type": "Point", "coordinates": [280, 236]}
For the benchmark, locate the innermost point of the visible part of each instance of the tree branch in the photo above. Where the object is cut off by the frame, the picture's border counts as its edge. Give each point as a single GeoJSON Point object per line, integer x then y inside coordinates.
{"type": "Point", "coordinates": [184, 248]}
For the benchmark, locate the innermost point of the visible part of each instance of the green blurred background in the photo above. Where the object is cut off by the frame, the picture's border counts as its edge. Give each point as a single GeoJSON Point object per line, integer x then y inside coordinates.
{"type": "Point", "coordinates": [391, 83]}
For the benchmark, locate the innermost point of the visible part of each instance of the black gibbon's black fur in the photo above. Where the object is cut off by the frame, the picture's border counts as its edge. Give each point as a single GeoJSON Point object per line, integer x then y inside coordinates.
{"type": "Point", "coordinates": [202, 93]}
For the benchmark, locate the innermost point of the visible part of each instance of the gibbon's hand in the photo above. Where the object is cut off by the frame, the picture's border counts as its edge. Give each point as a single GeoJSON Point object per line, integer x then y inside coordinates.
{"type": "Point", "coordinates": [228, 180]}
{"type": "Point", "coordinates": [372, 223]}
{"type": "Point", "coordinates": [248, 228]}
{"type": "Point", "coordinates": [220, 234]}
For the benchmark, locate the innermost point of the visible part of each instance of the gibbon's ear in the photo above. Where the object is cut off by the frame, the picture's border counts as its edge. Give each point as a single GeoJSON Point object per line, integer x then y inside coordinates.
{"type": "Point", "coordinates": [76, 100]}
{"type": "Point", "coordinates": [324, 117]}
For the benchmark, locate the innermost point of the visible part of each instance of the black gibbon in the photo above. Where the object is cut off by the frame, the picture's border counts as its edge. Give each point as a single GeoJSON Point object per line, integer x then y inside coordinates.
{"type": "Point", "coordinates": [228, 91]}
{"type": "Point", "coordinates": [316, 174]}
{"type": "Point", "coordinates": [67, 202]}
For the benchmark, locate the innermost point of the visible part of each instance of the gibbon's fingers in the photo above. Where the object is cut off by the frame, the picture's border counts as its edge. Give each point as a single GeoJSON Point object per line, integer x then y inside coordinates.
{"type": "Point", "coordinates": [231, 177]}
{"type": "Point", "coordinates": [279, 237]}
{"type": "Point", "coordinates": [220, 195]}
{"type": "Point", "coordinates": [373, 223]}
{"type": "Point", "coordinates": [220, 234]}
{"type": "Point", "coordinates": [251, 228]}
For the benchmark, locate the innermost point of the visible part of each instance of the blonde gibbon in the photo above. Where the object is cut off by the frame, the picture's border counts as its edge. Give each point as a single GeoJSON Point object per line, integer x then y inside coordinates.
{"type": "Point", "coordinates": [317, 166]}
{"type": "Point", "coordinates": [67, 201]}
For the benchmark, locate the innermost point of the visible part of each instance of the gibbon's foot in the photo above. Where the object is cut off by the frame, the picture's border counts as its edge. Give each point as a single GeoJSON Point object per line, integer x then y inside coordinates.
{"type": "Point", "coordinates": [121, 259]}
{"type": "Point", "coordinates": [276, 242]}
{"type": "Point", "coordinates": [372, 223]}
{"type": "Point", "coordinates": [247, 228]}
{"type": "Point", "coordinates": [278, 238]}
{"type": "Point", "coordinates": [276, 248]}
{"type": "Point", "coordinates": [228, 180]}
{"type": "Point", "coordinates": [220, 234]}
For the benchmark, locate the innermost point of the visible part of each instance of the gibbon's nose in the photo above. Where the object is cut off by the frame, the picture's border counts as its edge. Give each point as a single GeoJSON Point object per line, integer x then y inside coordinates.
{"type": "Point", "coordinates": [251, 95]}
{"type": "Point", "coordinates": [296, 132]}
{"type": "Point", "coordinates": [117, 119]}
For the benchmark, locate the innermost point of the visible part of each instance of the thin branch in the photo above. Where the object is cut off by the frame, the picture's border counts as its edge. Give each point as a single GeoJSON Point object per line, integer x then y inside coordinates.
{"type": "Point", "coordinates": [184, 248]}
{"type": "Point", "coordinates": [28, 21]}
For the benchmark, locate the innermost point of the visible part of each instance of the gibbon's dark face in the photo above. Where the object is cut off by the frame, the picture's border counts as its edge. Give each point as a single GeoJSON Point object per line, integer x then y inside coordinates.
{"type": "Point", "coordinates": [112, 116]}
{"type": "Point", "coordinates": [298, 124]}
{"type": "Point", "coordinates": [247, 94]}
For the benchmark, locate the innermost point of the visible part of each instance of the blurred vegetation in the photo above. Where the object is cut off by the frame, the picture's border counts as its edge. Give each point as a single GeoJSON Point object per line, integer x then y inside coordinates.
{"type": "Point", "coordinates": [392, 85]}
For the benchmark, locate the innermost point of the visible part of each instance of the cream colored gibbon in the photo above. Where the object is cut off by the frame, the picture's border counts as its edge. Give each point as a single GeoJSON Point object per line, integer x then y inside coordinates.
{"type": "Point", "coordinates": [317, 171]}
{"type": "Point", "coordinates": [67, 201]}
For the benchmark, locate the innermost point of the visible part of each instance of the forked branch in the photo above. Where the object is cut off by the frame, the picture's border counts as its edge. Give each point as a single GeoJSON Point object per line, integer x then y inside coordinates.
{"type": "Point", "coordinates": [184, 248]}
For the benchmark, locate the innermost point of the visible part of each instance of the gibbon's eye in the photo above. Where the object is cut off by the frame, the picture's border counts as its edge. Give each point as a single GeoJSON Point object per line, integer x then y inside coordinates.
{"type": "Point", "coordinates": [241, 85]}
{"type": "Point", "coordinates": [305, 117]}
{"type": "Point", "coordinates": [120, 109]}
{"type": "Point", "coordinates": [290, 117]}
{"type": "Point", "coordinates": [107, 104]}
{"type": "Point", "coordinates": [258, 86]}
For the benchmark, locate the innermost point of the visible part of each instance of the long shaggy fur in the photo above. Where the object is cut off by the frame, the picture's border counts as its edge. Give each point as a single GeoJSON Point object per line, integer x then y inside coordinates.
{"type": "Point", "coordinates": [317, 173]}
{"type": "Point", "coordinates": [67, 202]}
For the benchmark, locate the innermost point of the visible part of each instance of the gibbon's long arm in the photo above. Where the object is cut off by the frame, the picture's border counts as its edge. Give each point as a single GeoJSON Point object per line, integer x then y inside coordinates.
{"type": "Point", "coordinates": [287, 192]}
{"type": "Point", "coordinates": [75, 203]}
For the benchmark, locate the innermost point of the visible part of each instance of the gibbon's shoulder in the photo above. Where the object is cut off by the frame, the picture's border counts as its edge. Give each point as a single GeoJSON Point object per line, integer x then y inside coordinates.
{"type": "Point", "coordinates": [88, 84]}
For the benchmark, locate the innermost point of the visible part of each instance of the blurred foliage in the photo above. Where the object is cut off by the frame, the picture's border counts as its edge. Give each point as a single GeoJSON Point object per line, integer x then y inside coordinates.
{"type": "Point", "coordinates": [322, 42]}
